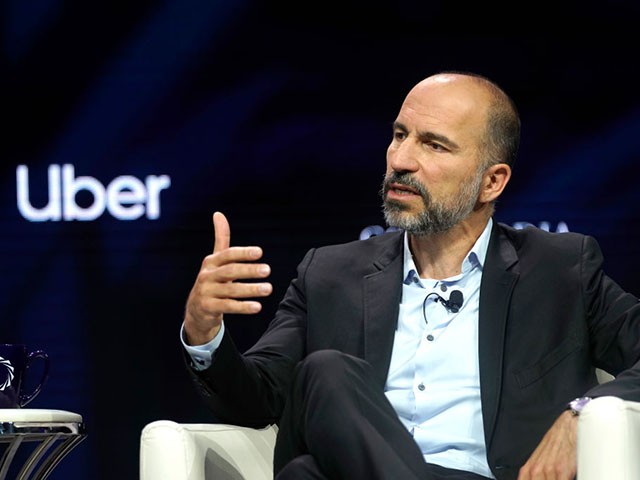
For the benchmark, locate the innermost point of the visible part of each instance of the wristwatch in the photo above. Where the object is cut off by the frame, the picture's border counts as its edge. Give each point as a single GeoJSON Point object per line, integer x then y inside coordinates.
{"type": "Point", "coordinates": [576, 405]}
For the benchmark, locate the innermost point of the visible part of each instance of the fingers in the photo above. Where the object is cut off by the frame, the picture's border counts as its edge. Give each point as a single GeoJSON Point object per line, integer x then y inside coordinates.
{"type": "Point", "coordinates": [233, 255]}
{"type": "Point", "coordinates": [222, 232]}
{"type": "Point", "coordinates": [230, 259]}
{"type": "Point", "coordinates": [240, 258]}
{"type": "Point", "coordinates": [231, 305]}
{"type": "Point", "coordinates": [219, 287]}
{"type": "Point", "coordinates": [244, 290]}
{"type": "Point", "coordinates": [230, 272]}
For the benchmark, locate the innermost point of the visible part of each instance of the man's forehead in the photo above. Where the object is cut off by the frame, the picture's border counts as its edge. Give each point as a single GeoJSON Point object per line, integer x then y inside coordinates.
{"type": "Point", "coordinates": [453, 104]}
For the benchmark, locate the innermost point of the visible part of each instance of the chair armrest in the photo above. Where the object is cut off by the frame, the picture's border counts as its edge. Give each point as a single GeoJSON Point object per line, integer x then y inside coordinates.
{"type": "Point", "coordinates": [175, 451]}
{"type": "Point", "coordinates": [609, 440]}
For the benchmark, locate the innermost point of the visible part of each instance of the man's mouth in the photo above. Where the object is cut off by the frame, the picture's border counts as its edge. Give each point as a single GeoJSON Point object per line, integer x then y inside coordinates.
{"type": "Point", "coordinates": [401, 189]}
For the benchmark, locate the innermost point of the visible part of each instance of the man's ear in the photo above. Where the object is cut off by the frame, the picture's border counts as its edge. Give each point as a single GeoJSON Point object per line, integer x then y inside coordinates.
{"type": "Point", "coordinates": [494, 180]}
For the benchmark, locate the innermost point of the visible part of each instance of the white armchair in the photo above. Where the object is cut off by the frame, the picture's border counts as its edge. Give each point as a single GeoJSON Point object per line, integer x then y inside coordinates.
{"type": "Point", "coordinates": [608, 446]}
{"type": "Point", "coordinates": [175, 451]}
{"type": "Point", "coordinates": [609, 440]}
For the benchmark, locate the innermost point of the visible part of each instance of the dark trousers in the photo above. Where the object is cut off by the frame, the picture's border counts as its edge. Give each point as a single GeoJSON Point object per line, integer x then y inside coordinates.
{"type": "Point", "coordinates": [338, 424]}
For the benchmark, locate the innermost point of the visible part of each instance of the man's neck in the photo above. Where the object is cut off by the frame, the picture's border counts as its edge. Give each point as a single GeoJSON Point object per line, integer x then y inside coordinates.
{"type": "Point", "coordinates": [441, 255]}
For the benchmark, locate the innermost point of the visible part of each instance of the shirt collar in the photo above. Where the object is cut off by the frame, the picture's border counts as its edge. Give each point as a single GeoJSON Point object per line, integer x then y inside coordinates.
{"type": "Point", "coordinates": [475, 258]}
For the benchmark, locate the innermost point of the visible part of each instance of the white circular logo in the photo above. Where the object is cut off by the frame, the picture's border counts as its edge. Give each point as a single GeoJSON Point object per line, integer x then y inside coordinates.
{"type": "Point", "coordinates": [6, 366]}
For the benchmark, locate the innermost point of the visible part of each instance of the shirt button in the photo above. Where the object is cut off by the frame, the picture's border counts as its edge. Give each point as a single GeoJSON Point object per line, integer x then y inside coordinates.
{"type": "Point", "coordinates": [421, 387]}
{"type": "Point", "coordinates": [430, 337]}
{"type": "Point", "coordinates": [443, 287]}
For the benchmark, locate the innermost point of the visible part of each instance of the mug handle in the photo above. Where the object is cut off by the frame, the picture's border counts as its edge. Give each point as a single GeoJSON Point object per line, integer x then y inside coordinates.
{"type": "Point", "coordinates": [24, 397]}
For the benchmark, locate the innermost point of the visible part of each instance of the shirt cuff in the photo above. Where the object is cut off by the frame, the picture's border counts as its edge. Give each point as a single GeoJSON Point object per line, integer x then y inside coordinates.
{"type": "Point", "coordinates": [202, 355]}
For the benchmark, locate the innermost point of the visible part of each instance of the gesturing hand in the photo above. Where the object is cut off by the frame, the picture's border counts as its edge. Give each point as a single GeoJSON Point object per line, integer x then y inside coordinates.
{"type": "Point", "coordinates": [216, 290]}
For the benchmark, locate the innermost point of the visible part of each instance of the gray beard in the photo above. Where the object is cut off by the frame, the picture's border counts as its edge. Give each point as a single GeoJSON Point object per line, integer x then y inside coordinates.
{"type": "Point", "coordinates": [436, 217]}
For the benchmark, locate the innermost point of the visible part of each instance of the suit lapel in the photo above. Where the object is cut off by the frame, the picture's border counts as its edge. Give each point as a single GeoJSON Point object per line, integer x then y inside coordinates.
{"type": "Point", "coordinates": [382, 295]}
{"type": "Point", "coordinates": [498, 280]}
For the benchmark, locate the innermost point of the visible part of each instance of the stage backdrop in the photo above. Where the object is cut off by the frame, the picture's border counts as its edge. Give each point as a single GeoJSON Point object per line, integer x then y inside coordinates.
{"type": "Point", "coordinates": [127, 124]}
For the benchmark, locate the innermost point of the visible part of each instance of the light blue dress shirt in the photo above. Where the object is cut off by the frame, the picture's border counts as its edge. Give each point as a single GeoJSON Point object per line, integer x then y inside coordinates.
{"type": "Point", "coordinates": [434, 379]}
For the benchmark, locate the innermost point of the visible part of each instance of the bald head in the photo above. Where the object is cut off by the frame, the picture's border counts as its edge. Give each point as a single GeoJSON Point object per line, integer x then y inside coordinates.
{"type": "Point", "coordinates": [477, 99]}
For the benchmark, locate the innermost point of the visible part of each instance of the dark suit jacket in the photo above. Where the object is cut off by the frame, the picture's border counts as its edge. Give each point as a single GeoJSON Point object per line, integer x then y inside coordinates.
{"type": "Point", "coordinates": [548, 316]}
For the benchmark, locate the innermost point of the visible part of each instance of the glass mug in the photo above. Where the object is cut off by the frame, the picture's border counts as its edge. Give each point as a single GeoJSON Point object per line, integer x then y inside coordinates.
{"type": "Point", "coordinates": [15, 363]}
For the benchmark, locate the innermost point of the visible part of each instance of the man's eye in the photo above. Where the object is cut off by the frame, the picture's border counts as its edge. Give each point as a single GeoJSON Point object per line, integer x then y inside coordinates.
{"type": "Point", "coordinates": [399, 135]}
{"type": "Point", "coordinates": [436, 146]}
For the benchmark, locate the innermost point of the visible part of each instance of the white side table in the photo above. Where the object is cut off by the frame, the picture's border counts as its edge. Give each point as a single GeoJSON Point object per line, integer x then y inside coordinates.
{"type": "Point", "coordinates": [52, 434]}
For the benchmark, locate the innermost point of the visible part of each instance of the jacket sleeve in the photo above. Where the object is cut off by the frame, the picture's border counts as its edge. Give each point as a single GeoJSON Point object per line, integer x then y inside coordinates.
{"type": "Point", "coordinates": [250, 389]}
{"type": "Point", "coordinates": [614, 327]}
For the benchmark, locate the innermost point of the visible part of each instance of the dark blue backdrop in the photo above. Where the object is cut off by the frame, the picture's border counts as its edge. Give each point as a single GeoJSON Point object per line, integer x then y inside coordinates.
{"type": "Point", "coordinates": [279, 115]}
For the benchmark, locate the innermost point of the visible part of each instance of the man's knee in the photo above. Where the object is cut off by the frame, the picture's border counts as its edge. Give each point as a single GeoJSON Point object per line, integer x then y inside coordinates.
{"type": "Point", "coordinates": [330, 368]}
{"type": "Point", "coordinates": [301, 467]}
{"type": "Point", "coordinates": [324, 363]}
{"type": "Point", "coordinates": [323, 359]}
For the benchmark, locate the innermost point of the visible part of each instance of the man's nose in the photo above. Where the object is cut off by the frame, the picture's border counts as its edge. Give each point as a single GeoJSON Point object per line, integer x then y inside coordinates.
{"type": "Point", "coordinates": [402, 157]}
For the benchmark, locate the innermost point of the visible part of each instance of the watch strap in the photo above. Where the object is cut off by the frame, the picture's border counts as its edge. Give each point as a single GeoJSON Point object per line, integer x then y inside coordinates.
{"type": "Point", "coordinates": [577, 405]}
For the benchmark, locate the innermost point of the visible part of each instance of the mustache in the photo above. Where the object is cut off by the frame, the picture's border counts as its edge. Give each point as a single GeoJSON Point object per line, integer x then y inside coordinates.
{"type": "Point", "coordinates": [404, 179]}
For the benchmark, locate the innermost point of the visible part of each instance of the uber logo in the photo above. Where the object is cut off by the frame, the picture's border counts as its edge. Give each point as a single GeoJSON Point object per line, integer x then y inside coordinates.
{"type": "Point", "coordinates": [126, 197]}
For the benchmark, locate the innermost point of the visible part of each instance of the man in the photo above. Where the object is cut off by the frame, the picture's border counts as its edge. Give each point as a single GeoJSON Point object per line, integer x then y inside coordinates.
{"type": "Point", "coordinates": [448, 349]}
